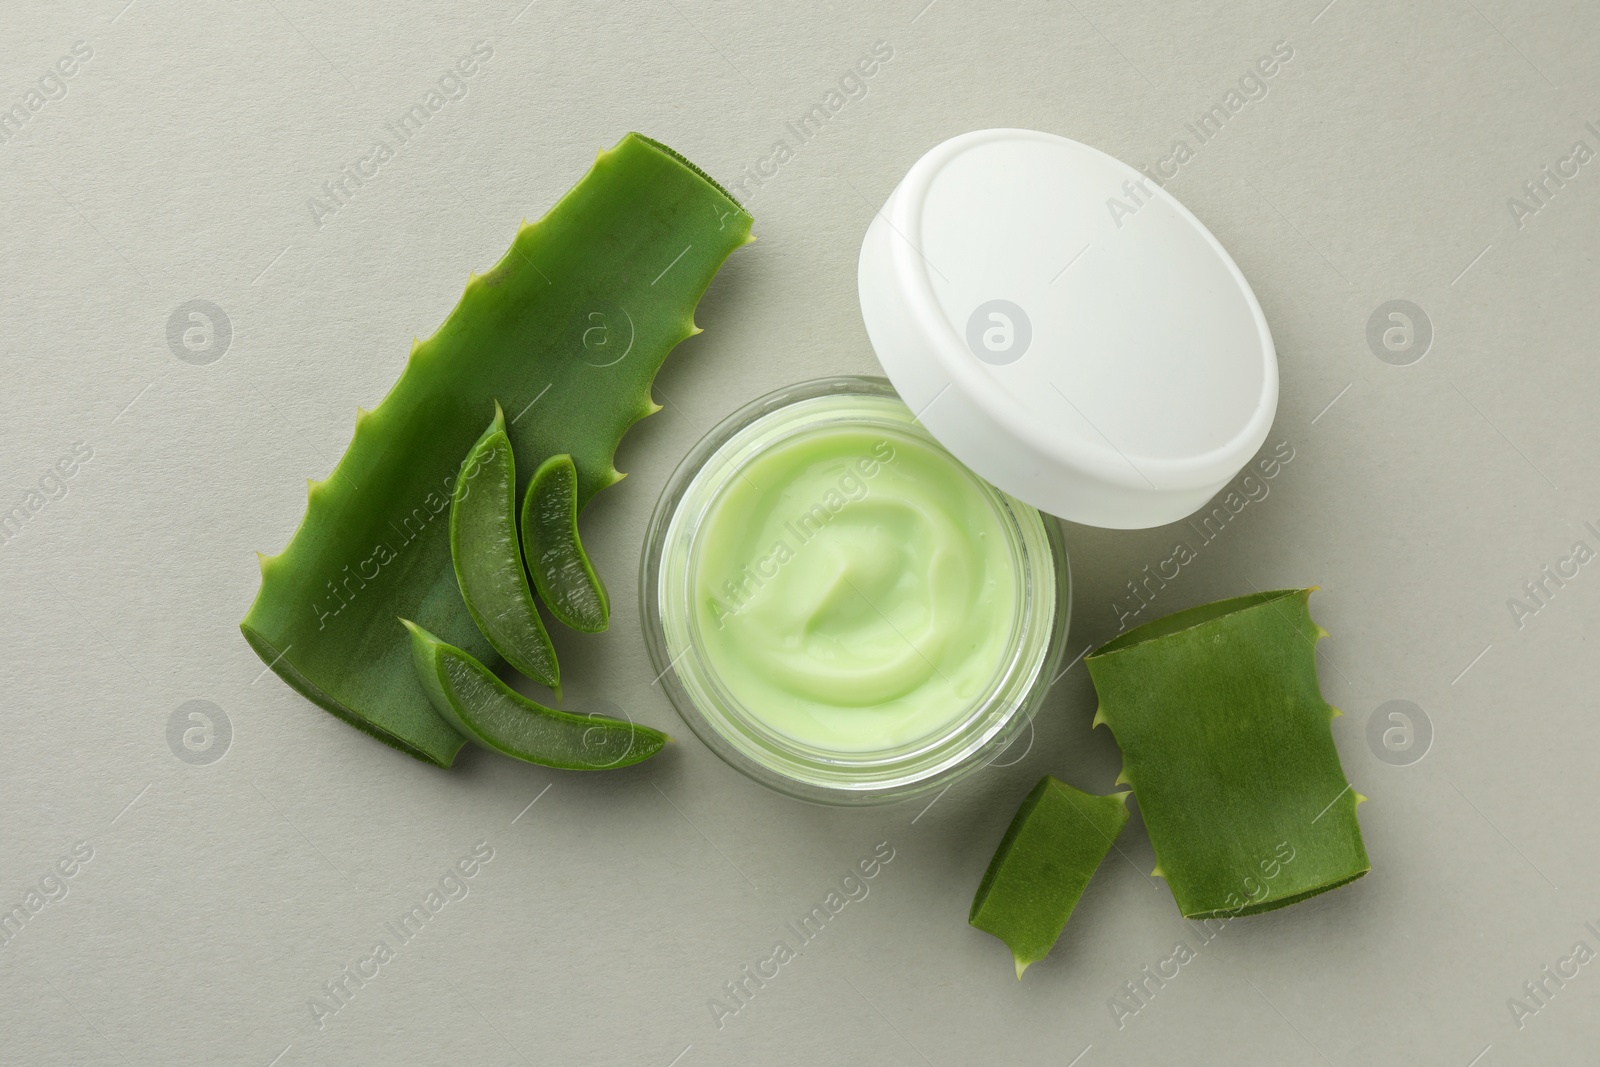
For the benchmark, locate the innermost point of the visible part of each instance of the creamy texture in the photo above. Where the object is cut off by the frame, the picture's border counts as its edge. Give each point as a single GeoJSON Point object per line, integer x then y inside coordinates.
{"type": "Point", "coordinates": [854, 588]}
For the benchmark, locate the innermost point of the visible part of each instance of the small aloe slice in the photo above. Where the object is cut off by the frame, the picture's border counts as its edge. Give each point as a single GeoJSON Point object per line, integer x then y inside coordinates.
{"type": "Point", "coordinates": [484, 708]}
{"type": "Point", "coordinates": [1226, 742]}
{"type": "Point", "coordinates": [488, 559]}
{"type": "Point", "coordinates": [1044, 862]}
{"type": "Point", "coordinates": [561, 570]}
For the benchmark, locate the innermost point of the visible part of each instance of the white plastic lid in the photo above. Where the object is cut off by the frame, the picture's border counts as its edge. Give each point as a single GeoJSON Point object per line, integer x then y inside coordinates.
{"type": "Point", "coordinates": [1067, 329]}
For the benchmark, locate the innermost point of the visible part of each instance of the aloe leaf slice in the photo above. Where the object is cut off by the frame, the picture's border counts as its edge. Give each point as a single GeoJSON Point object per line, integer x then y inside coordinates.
{"type": "Point", "coordinates": [484, 708]}
{"type": "Point", "coordinates": [567, 331]}
{"type": "Point", "coordinates": [1044, 862]}
{"type": "Point", "coordinates": [1226, 742]}
{"type": "Point", "coordinates": [561, 569]}
{"type": "Point", "coordinates": [488, 559]}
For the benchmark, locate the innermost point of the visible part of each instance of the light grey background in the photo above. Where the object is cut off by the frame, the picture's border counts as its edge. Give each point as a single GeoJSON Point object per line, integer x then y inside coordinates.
{"type": "Point", "coordinates": [221, 896]}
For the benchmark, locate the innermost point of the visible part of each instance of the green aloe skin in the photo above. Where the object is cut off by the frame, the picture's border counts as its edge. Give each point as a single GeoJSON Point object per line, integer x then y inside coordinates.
{"type": "Point", "coordinates": [567, 331]}
{"type": "Point", "coordinates": [482, 707]}
{"type": "Point", "coordinates": [1043, 864]}
{"type": "Point", "coordinates": [561, 569]}
{"type": "Point", "coordinates": [488, 558]}
{"type": "Point", "coordinates": [1226, 742]}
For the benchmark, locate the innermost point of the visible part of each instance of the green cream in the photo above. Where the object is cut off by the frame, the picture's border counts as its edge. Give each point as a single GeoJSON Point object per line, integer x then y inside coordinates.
{"type": "Point", "coordinates": [854, 588]}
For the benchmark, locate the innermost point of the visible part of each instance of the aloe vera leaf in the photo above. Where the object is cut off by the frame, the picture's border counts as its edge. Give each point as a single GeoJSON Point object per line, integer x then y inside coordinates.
{"type": "Point", "coordinates": [488, 559]}
{"type": "Point", "coordinates": [628, 253]}
{"type": "Point", "coordinates": [482, 707]}
{"type": "Point", "coordinates": [1226, 741]}
{"type": "Point", "coordinates": [1044, 862]}
{"type": "Point", "coordinates": [561, 569]}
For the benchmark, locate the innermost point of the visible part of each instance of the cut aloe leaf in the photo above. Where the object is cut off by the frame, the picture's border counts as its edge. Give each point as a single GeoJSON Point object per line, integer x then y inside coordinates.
{"type": "Point", "coordinates": [488, 559]}
{"type": "Point", "coordinates": [482, 707]}
{"type": "Point", "coordinates": [1226, 742]}
{"type": "Point", "coordinates": [567, 331]}
{"type": "Point", "coordinates": [561, 569]}
{"type": "Point", "coordinates": [1044, 862]}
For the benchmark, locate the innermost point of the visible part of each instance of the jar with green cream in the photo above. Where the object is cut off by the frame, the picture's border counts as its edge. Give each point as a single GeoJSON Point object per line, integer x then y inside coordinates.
{"type": "Point", "coordinates": [839, 607]}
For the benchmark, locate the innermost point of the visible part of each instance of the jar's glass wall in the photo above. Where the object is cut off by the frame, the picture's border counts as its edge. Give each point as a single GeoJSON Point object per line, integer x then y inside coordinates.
{"type": "Point", "coordinates": [975, 729]}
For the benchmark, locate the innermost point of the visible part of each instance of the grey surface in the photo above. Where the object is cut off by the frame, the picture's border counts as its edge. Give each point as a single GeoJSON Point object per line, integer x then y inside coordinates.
{"type": "Point", "coordinates": [221, 896]}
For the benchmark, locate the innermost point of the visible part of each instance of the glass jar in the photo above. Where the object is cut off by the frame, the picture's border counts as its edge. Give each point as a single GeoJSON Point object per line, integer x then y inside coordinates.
{"type": "Point", "coordinates": [973, 724]}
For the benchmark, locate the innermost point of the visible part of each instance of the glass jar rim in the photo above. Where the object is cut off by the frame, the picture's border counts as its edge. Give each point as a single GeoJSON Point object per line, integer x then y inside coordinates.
{"type": "Point", "coordinates": [770, 757]}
